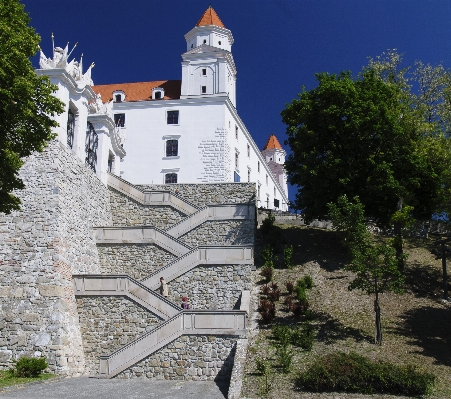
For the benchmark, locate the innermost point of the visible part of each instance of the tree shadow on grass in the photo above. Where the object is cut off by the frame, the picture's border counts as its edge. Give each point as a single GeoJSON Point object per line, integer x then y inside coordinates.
{"type": "Point", "coordinates": [309, 244]}
{"type": "Point", "coordinates": [331, 330]}
{"type": "Point", "coordinates": [430, 329]}
{"type": "Point", "coordinates": [425, 281]}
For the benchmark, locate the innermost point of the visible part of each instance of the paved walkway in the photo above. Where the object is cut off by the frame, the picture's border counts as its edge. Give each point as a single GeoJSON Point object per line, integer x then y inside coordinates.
{"type": "Point", "coordinates": [93, 388]}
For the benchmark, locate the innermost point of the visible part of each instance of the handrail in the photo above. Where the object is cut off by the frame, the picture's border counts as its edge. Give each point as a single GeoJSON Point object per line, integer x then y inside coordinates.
{"type": "Point", "coordinates": [199, 322]}
{"type": "Point", "coordinates": [124, 285]}
{"type": "Point", "coordinates": [140, 234]}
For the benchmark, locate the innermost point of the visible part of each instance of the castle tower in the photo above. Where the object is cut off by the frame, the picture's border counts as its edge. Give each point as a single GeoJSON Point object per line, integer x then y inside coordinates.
{"type": "Point", "coordinates": [275, 158]}
{"type": "Point", "coordinates": [208, 68]}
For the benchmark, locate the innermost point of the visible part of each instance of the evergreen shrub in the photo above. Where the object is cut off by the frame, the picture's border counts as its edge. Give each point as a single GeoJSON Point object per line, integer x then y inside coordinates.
{"type": "Point", "coordinates": [29, 366]}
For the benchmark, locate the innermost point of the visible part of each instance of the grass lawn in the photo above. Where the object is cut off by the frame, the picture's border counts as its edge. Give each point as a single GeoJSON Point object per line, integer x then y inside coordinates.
{"type": "Point", "coordinates": [416, 325]}
{"type": "Point", "coordinates": [6, 379]}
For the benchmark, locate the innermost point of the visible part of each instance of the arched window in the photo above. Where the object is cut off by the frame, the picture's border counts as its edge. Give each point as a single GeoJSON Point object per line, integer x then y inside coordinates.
{"type": "Point", "coordinates": [70, 129]}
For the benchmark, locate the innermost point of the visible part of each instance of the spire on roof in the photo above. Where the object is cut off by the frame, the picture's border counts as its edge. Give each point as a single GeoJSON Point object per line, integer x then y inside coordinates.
{"type": "Point", "coordinates": [272, 143]}
{"type": "Point", "coordinates": [210, 17]}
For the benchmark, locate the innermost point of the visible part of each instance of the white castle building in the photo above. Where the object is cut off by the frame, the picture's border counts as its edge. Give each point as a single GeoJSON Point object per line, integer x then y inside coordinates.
{"type": "Point", "coordinates": [186, 131]}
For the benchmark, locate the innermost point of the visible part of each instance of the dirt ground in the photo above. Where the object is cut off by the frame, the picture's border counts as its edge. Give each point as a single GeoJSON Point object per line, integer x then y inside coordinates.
{"type": "Point", "coordinates": [416, 325]}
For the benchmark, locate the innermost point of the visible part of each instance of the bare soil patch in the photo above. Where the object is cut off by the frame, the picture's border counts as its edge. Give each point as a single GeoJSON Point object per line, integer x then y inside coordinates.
{"type": "Point", "coordinates": [416, 325]}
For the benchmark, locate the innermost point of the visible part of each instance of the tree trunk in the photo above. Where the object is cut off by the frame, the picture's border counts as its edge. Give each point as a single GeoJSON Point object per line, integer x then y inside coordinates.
{"type": "Point", "coordinates": [397, 230]}
{"type": "Point", "coordinates": [377, 310]}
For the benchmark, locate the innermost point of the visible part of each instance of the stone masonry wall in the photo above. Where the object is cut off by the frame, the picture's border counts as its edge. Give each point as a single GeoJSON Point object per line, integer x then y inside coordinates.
{"type": "Point", "coordinates": [41, 246]}
{"type": "Point", "coordinates": [108, 323]}
{"type": "Point", "coordinates": [190, 357]}
{"type": "Point", "coordinates": [211, 286]}
{"type": "Point", "coordinates": [136, 260]}
{"type": "Point", "coordinates": [221, 232]}
{"type": "Point", "coordinates": [208, 194]}
{"type": "Point", "coordinates": [128, 212]}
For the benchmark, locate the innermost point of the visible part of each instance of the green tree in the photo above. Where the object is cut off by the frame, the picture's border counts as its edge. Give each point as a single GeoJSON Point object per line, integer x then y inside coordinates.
{"type": "Point", "coordinates": [362, 137]}
{"type": "Point", "coordinates": [375, 264]}
{"type": "Point", "coordinates": [26, 101]}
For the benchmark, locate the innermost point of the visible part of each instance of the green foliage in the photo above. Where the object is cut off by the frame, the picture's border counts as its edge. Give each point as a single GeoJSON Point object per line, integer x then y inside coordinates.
{"type": "Point", "coordinates": [288, 256]}
{"type": "Point", "coordinates": [354, 373]}
{"type": "Point", "coordinates": [266, 381]}
{"type": "Point", "coordinates": [362, 137]}
{"type": "Point", "coordinates": [281, 334]}
{"type": "Point", "coordinates": [268, 224]}
{"type": "Point", "coordinates": [284, 357]}
{"type": "Point", "coordinates": [26, 101]}
{"type": "Point", "coordinates": [303, 336]}
{"type": "Point", "coordinates": [268, 256]}
{"type": "Point", "coordinates": [267, 272]}
{"type": "Point", "coordinates": [29, 366]}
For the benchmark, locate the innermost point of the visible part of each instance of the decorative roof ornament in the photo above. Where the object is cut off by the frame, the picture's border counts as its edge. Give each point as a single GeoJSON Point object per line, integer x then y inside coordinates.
{"type": "Point", "coordinates": [59, 61]}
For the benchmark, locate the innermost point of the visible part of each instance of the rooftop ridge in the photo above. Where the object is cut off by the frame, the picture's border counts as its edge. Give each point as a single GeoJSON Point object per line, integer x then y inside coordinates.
{"type": "Point", "coordinates": [209, 17]}
{"type": "Point", "coordinates": [272, 143]}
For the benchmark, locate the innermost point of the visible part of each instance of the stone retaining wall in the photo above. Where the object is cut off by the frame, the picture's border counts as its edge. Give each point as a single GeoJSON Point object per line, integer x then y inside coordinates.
{"type": "Point", "coordinates": [108, 323]}
{"type": "Point", "coordinates": [221, 232]}
{"type": "Point", "coordinates": [136, 260]}
{"type": "Point", "coordinates": [211, 193]}
{"type": "Point", "coordinates": [41, 246]}
{"type": "Point", "coordinates": [128, 212]}
{"type": "Point", "coordinates": [190, 357]}
{"type": "Point", "coordinates": [211, 286]}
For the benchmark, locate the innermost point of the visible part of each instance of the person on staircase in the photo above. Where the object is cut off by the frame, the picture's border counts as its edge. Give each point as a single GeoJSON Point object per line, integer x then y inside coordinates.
{"type": "Point", "coordinates": [185, 304]}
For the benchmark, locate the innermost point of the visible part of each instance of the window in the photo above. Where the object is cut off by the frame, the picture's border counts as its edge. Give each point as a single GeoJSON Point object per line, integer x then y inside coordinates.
{"type": "Point", "coordinates": [173, 117]}
{"type": "Point", "coordinates": [119, 120]}
{"type": "Point", "coordinates": [118, 98]}
{"type": "Point", "coordinates": [266, 179]}
{"type": "Point", "coordinates": [157, 95]}
{"type": "Point", "coordinates": [70, 129]}
{"type": "Point", "coordinates": [275, 192]}
{"type": "Point", "coordinates": [219, 42]}
{"type": "Point", "coordinates": [248, 176]}
{"type": "Point", "coordinates": [258, 166]}
{"type": "Point", "coordinates": [192, 45]}
{"type": "Point", "coordinates": [248, 150]}
{"type": "Point", "coordinates": [170, 178]}
{"type": "Point", "coordinates": [110, 162]}
{"type": "Point", "coordinates": [172, 148]}
{"type": "Point", "coordinates": [205, 41]}
{"type": "Point", "coordinates": [91, 144]}
{"type": "Point", "coordinates": [267, 201]}
{"type": "Point", "coordinates": [204, 72]}
{"type": "Point", "coordinates": [276, 203]}
{"type": "Point", "coordinates": [236, 160]}
{"type": "Point", "coordinates": [236, 132]}
{"type": "Point", "coordinates": [204, 89]}
{"type": "Point", "coordinates": [258, 192]}
{"type": "Point", "coordinates": [236, 177]}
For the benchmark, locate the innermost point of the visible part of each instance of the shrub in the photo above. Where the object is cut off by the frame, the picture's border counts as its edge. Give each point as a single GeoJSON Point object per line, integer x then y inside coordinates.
{"type": "Point", "coordinates": [281, 334]}
{"type": "Point", "coordinates": [284, 357]}
{"type": "Point", "coordinates": [306, 283]}
{"type": "Point", "coordinates": [265, 290]}
{"type": "Point", "coordinates": [267, 273]}
{"type": "Point", "coordinates": [268, 223]}
{"type": "Point", "coordinates": [268, 256]}
{"type": "Point", "coordinates": [288, 256]}
{"type": "Point", "coordinates": [290, 287]}
{"type": "Point", "coordinates": [301, 294]}
{"type": "Point", "coordinates": [309, 315]}
{"type": "Point", "coordinates": [303, 337]}
{"type": "Point", "coordinates": [29, 366]}
{"type": "Point", "coordinates": [267, 311]}
{"type": "Point", "coordinates": [300, 307]}
{"type": "Point", "coordinates": [274, 295]}
{"type": "Point", "coordinates": [288, 302]}
{"type": "Point", "coordinates": [355, 373]}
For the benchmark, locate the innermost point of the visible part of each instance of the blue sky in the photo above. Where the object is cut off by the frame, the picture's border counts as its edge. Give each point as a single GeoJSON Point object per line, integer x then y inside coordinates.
{"type": "Point", "coordinates": [279, 45]}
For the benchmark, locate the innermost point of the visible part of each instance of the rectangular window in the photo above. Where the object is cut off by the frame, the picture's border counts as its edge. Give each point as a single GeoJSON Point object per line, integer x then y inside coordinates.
{"type": "Point", "coordinates": [170, 178]}
{"type": "Point", "coordinates": [204, 72]}
{"type": "Point", "coordinates": [258, 166]}
{"type": "Point", "coordinates": [236, 160]}
{"type": "Point", "coordinates": [236, 177]}
{"type": "Point", "coordinates": [119, 120]}
{"type": "Point", "coordinates": [248, 176]}
{"type": "Point", "coordinates": [248, 150]}
{"type": "Point", "coordinates": [236, 132]}
{"type": "Point", "coordinates": [204, 89]}
{"type": "Point", "coordinates": [172, 148]}
{"type": "Point", "coordinates": [173, 117]}
{"type": "Point", "coordinates": [266, 179]}
{"type": "Point", "coordinates": [276, 203]}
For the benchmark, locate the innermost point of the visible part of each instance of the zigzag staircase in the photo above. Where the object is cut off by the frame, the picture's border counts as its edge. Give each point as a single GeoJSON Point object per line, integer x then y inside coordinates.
{"type": "Point", "coordinates": [175, 322]}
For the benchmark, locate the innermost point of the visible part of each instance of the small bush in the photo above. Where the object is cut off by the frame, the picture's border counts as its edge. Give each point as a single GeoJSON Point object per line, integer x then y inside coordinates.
{"type": "Point", "coordinates": [303, 337]}
{"type": "Point", "coordinates": [299, 308]}
{"type": "Point", "coordinates": [354, 373]}
{"type": "Point", "coordinates": [267, 273]}
{"type": "Point", "coordinates": [288, 256]}
{"type": "Point", "coordinates": [306, 282]}
{"type": "Point", "coordinates": [290, 287]}
{"type": "Point", "coordinates": [268, 256]}
{"type": "Point", "coordinates": [288, 302]}
{"type": "Point", "coordinates": [267, 311]}
{"type": "Point", "coordinates": [284, 357]}
{"type": "Point", "coordinates": [281, 335]}
{"type": "Point", "coordinates": [309, 315]}
{"type": "Point", "coordinates": [265, 290]}
{"type": "Point", "coordinates": [262, 365]}
{"type": "Point", "coordinates": [301, 293]}
{"type": "Point", "coordinates": [274, 295]}
{"type": "Point", "coordinates": [28, 367]}
{"type": "Point", "coordinates": [267, 224]}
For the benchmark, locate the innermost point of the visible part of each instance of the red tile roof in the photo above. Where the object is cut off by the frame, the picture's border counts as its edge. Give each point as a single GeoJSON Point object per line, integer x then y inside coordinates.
{"type": "Point", "coordinates": [140, 91]}
{"type": "Point", "coordinates": [272, 143]}
{"type": "Point", "coordinates": [210, 18]}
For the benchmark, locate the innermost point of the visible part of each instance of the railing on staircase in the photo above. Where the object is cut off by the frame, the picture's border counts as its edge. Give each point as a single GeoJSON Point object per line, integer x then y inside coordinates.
{"type": "Point", "coordinates": [199, 322]}
{"type": "Point", "coordinates": [141, 235]}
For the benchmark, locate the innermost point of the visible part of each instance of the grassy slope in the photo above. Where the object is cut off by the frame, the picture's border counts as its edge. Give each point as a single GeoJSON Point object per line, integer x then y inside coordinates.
{"type": "Point", "coordinates": [416, 325]}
